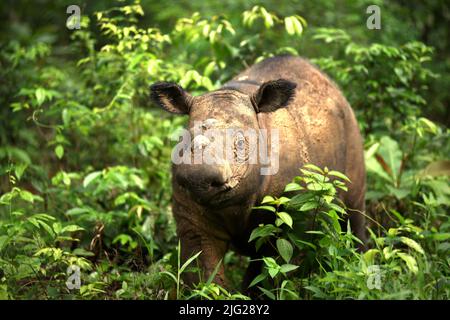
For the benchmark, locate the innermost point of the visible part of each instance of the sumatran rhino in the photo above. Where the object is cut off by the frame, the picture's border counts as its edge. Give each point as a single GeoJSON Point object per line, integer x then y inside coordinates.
{"type": "Point", "coordinates": [212, 201]}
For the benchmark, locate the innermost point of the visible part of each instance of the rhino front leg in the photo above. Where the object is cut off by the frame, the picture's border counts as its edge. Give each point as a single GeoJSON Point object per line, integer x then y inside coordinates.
{"type": "Point", "coordinates": [213, 250]}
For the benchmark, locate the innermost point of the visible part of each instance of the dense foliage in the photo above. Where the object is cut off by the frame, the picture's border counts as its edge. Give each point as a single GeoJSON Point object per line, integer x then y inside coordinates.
{"type": "Point", "coordinates": [85, 156]}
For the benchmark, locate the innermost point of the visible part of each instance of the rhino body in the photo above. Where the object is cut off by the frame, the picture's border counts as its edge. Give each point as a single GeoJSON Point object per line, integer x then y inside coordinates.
{"type": "Point", "coordinates": [212, 204]}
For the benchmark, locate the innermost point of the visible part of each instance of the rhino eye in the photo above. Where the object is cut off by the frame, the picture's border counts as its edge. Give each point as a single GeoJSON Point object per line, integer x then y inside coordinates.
{"type": "Point", "coordinates": [240, 147]}
{"type": "Point", "coordinates": [240, 141]}
{"type": "Point", "coordinates": [240, 144]}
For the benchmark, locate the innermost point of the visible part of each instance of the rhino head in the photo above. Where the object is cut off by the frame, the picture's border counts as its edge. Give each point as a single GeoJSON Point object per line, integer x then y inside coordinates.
{"type": "Point", "coordinates": [219, 144]}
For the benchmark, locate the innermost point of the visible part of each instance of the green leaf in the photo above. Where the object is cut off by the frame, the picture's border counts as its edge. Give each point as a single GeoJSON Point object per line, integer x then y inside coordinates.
{"type": "Point", "coordinates": [267, 293]}
{"type": "Point", "coordinates": [270, 262]}
{"type": "Point", "coordinates": [293, 187]}
{"type": "Point", "coordinates": [268, 199]}
{"type": "Point", "coordinates": [431, 126]}
{"type": "Point", "coordinates": [369, 153]}
{"type": "Point", "coordinates": [309, 244]}
{"type": "Point", "coordinates": [309, 206]}
{"type": "Point", "coordinates": [210, 66]}
{"type": "Point", "coordinates": [273, 272]}
{"type": "Point", "coordinates": [289, 25]}
{"type": "Point", "coordinates": [285, 268]}
{"type": "Point", "coordinates": [83, 253]}
{"type": "Point", "coordinates": [258, 279]}
{"type": "Point", "coordinates": [339, 175]}
{"type": "Point", "coordinates": [313, 167]}
{"type": "Point", "coordinates": [77, 211]}
{"type": "Point", "coordinates": [300, 199]}
{"type": "Point", "coordinates": [392, 155]}
{"type": "Point", "coordinates": [27, 196]}
{"type": "Point", "coordinates": [263, 231]}
{"type": "Point", "coordinates": [337, 208]}
{"type": "Point", "coordinates": [369, 256]}
{"type": "Point", "coordinates": [412, 244]}
{"type": "Point", "coordinates": [411, 262]}
{"type": "Point", "coordinates": [442, 236]}
{"type": "Point", "coordinates": [214, 273]}
{"type": "Point", "coordinates": [59, 151]}
{"type": "Point", "coordinates": [91, 177]}
{"type": "Point", "coordinates": [285, 249]}
{"type": "Point", "coordinates": [297, 26]}
{"type": "Point", "coordinates": [286, 217]}
{"type": "Point", "coordinates": [71, 228]}
{"type": "Point", "coordinates": [189, 261]}
{"type": "Point", "coordinates": [46, 227]}
{"type": "Point", "coordinates": [171, 275]}
{"type": "Point", "coordinates": [19, 169]}
{"type": "Point", "coordinates": [268, 20]}
{"type": "Point", "coordinates": [40, 96]}
{"type": "Point", "coordinates": [268, 208]}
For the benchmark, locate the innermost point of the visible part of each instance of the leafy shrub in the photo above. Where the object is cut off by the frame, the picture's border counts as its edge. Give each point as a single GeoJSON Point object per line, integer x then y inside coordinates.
{"type": "Point", "coordinates": [85, 157]}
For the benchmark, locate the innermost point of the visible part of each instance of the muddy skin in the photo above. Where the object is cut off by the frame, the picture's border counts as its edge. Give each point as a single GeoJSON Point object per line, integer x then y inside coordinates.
{"type": "Point", "coordinates": [212, 203]}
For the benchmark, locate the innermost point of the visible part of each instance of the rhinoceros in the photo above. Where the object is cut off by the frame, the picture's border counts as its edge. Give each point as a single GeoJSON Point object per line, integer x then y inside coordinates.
{"type": "Point", "coordinates": [212, 202]}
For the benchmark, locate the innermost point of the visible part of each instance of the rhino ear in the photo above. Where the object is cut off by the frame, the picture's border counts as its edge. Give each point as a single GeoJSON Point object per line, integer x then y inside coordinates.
{"type": "Point", "coordinates": [171, 97]}
{"type": "Point", "coordinates": [274, 94]}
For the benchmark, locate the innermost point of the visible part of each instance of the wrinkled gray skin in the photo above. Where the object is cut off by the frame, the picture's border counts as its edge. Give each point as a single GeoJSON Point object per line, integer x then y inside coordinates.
{"type": "Point", "coordinates": [212, 203]}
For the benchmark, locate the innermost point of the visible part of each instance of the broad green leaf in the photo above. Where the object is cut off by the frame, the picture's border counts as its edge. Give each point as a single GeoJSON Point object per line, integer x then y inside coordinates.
{"type": "Point", "coordinates": [369, 255]}
{"type": "Point", "coordinates": [391, 154]}
{"type": "Point", "coordinates": [270, 262]}
{"type": "Point", "coordinates": [273, 271]}
{"type": "Point", "coordinates": [59, 151]}
{"type": "Point", "coordinates": [286, 217]}
{"type": "Point", "coordinates": [40, 96]}
{"type": "Point", "coordinates": [268, 20]}
{"type": "Point", "coordinates": [293, 187]}
{"type": "Point", "coordinates": [297, 25]}
{"type": "Point", "coordinates": [91, 177]}
{"type": "Point", "coordinates": [263, 231]}
{"type": "Point", "coordinates": [285, 249]}
{"type": "Point", "coordinates": [289, 25]}
{"type": "Point", "coordinates": [27, 196]}
{"type": "Point", "coordinates": [309, 206]}
{"type": "Point", "coordinates": [300, 199]}
{"type": "Point", "coordinates": [19, 169]}
{"type": "Point", "coordinates": [285, 268]}
{"type": "Point", "coordinates": [268, 199]}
